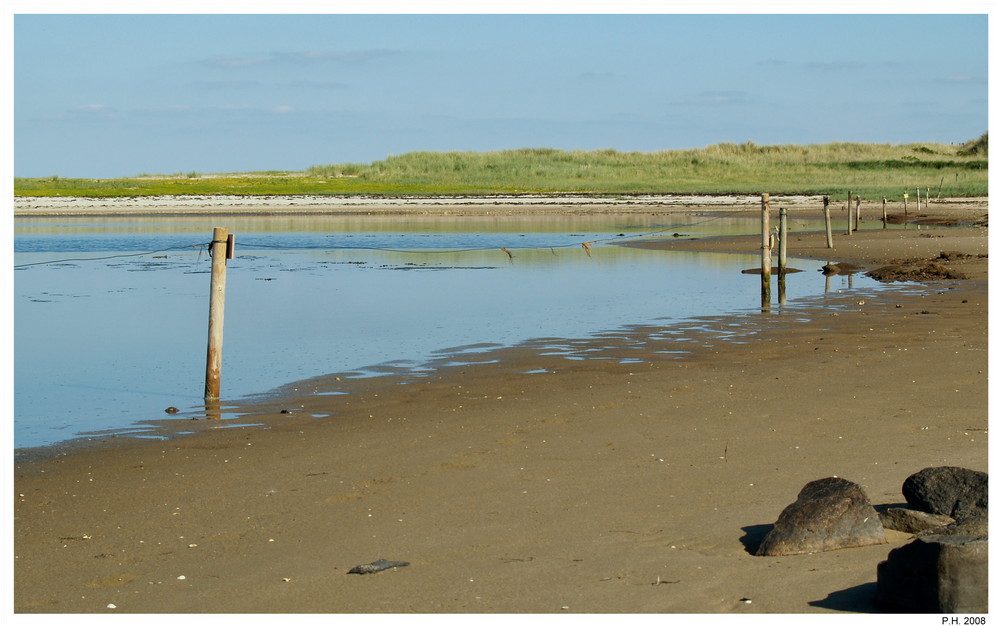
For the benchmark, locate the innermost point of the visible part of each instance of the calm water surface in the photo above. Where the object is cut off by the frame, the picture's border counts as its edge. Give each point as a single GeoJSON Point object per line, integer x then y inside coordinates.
{"type": "Point", "coordinates": [104, 341]}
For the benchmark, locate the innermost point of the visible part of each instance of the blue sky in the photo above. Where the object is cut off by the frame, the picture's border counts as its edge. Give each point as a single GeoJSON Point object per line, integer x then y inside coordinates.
{"type": "Point", "coordinates": [120, 95]}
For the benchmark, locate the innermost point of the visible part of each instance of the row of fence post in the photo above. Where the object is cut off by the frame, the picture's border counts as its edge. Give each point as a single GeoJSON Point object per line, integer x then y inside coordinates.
{"type": "Point", "coordinates": [767, 242]}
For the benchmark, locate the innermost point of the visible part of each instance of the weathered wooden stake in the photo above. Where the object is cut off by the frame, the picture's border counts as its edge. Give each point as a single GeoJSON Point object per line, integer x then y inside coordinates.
{"type": "Point", "coordinates": [885, 217]}
{"type": "Point", "coordinates": [906, 197]}
{"type": "Point", "coordinates": [216, 310]}
{"type": "Point", "coordinates": [782, 239]}
{"type": "Point", "coordinates": [918, 199]}
{"type": "Point", "coordinates": [850, 214]}
{"type": "Point", "coordinates": [857, 213]}
{"type": "Point", "coordinates": [765, 248]}
{"type": "Point", "coordinates": [826, 218]}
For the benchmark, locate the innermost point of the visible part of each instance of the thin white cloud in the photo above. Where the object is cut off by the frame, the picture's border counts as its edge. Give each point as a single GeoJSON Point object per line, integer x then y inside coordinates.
{"type": "Point", "coordinates": [317, 84]}
{"type": "Point", "coordinates": [714, 98]}
{"type": "Point", "coordinates": [962, 80]}
{"type": "Point", "coordinates": [225, 85]}
{"type": "Point", "coordinates": [309, 57]}
{"type": "Point", "coordinates": [834, 66]}
{"type": "Point", "coordinates": [228, 61]}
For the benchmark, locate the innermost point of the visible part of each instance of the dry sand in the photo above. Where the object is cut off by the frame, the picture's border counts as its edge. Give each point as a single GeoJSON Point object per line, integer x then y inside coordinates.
{"type": "Point", "coordinates": [595, 486]}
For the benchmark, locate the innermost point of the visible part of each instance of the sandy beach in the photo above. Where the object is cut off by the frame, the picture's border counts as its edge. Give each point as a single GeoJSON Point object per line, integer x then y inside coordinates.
{"type": "Point", "coordinates": [537, 484]}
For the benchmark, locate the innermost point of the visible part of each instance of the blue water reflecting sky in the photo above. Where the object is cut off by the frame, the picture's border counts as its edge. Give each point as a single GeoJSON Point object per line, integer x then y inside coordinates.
{"type": "Point", "coordinates": [103, 344]}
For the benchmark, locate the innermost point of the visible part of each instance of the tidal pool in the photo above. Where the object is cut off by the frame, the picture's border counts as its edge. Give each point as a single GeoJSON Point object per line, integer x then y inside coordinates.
{"type": "Point", "coordinates": [105, 341]}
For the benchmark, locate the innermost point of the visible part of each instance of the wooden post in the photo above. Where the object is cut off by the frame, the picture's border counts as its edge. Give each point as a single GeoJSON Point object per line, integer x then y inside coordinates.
{"type": "Point", "coordinates": [216, 310]}
{"type": "Point", "coordinates": [850, 214]}
{"type": "Point", "coordinates": [906, 197]}
{"type": "Point", "coordinates": [927, 199]}
{"type": "Point", "coordinates": [826, 218]}
{"type": "Point", "coordinates": [918, 199]}
{"type": "Point", "coordinates": [782, 240]}
{"type": "Point", "coordinates": [857, 213]}
{"type": "Point", "coordinates": [885, 217]}
{"type": "Point", "coordinates": [765, 249]}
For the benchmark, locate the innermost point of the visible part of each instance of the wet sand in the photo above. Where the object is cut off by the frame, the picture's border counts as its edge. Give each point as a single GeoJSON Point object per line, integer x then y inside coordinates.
{"type": "Point", "coordinates": [540, 484]}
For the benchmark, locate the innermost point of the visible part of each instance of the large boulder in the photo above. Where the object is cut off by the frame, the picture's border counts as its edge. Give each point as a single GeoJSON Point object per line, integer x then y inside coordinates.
{"type": "Point", "coordinates": [953, 491]}
{"type": "Point", "coordinates": [829, 514]}
{"type": "Point", "coordinates": [935, 574]}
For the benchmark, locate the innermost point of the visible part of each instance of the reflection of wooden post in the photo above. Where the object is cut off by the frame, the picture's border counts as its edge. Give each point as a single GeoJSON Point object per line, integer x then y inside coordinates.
{"type": "Point", "coordinates": [765, 248]}
{"type": "Point", "coordinates": [216, 309]}
{"type": "Point", "coordinates": [885, 217]}
{"type": "Point", "coordinates": [782, 252]}
{"type": "Point", "coordinates": [826, 218]}
{"type": "Point", "coordinates": [850, 214]}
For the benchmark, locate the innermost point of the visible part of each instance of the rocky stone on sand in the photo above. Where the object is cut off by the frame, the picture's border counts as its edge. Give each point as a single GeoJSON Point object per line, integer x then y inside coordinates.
{"type": "Point", "coordinates": [935, 574]}
{"type": "Point", "coordinates": [829, 514]}
{"type": "Point", "coordinates": [840, 268]}
{"type": "Point", "coordinates": [907, 520]}
{"type": "Point", "coordinates": [953, 491]}
{"type": "Point", "coordinates": [973, 525]}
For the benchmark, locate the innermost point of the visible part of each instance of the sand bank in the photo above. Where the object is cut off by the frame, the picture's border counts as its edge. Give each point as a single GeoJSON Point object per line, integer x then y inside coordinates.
{"type": "Point", "coordinates": [537, 483]}
{"type": "Point", "coordinates": [511, 205]}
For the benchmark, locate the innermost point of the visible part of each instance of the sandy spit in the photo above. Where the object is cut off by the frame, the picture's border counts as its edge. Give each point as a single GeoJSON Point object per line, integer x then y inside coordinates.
{"type": "Point", "coordinates": [316, 205]}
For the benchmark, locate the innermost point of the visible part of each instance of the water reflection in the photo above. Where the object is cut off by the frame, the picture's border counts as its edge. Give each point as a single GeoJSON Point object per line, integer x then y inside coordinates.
{"type": "Point", "coordinates": [106, 344]}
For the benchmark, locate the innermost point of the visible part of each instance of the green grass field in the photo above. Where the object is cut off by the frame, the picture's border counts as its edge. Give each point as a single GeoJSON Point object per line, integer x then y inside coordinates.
{"type": "Point", "coordinates": [871, 170]}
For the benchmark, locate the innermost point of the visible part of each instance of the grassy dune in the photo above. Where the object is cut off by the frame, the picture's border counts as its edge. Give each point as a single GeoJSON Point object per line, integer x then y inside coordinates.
{"type": "Point", "coordinates": [872, 170]}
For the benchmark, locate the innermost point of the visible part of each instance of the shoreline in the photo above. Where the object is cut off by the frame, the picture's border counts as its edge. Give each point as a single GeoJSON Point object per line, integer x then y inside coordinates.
{"type": "Point", "coordinates": [598, 485]}
{"type": "Point", "coordinates": [59, 206]}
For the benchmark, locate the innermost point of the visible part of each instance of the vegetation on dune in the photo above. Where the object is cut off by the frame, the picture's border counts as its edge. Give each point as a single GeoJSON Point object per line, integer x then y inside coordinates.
{"type": "Point", "coordinates": [976, 147]}
{"type": "Point", "coordinates": [871, 170]}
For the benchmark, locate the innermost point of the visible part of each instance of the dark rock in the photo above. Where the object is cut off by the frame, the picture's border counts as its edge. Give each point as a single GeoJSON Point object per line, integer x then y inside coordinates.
{"type": "Point", "coordinates": [953, 491]}
{"type": "Point", "coordinates": [972, 525]}
{"type": "Point", "coordinates": [829, 514]}
{"type": "Point", "coordinates": [840, 268]}
{"type": "Point", "coordinates": [935, 574]}
{"type": "Point", "coordinates": [951, 255]}
{"type": "Point", "coordinates": [910, 521]}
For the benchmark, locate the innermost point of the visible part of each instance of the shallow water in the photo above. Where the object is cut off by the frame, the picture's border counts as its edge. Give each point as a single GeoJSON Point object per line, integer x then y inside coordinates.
{"type": "Point", "coordinates": [102, 344]}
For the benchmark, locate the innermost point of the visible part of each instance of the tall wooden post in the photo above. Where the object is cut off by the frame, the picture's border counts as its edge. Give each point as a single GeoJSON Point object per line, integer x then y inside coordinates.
{"type": "Point", "coordinates": [826, 218]}
{"type": "Point", "coordinates": [885, 216]}
{"type": "Point", "coordinates": [782, 239]}
{"type": "Point", "coordinates": [216, 310]}
{"type": "Point", "coordinates": [850, 214]}
{"type": "Point", "coordinates": [918, 199]}
{"type": "Point", "coordinates": [857, 213]}
{"type": "Point", "coordinates": [765, 249]}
